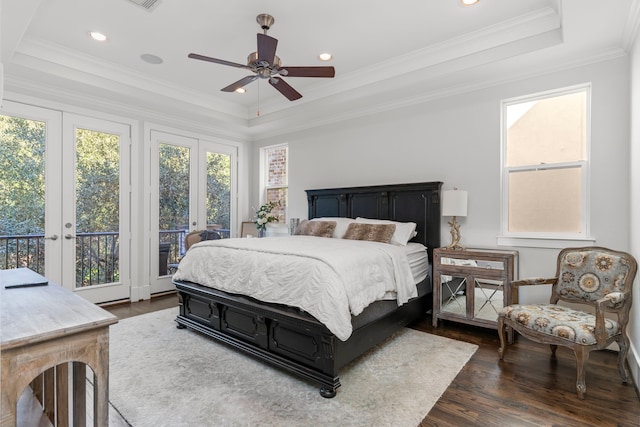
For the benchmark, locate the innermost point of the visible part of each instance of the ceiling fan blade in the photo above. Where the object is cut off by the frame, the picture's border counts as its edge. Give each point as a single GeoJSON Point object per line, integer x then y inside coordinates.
{"type": "Point", "coordinates": [284, 88]}
{"type": "Point", "coordinates": [217, 61]}
{"type": "Point", "coordinates": [267, 48]}
{"type": "Point", "coordinates": [240, 83]}
{"type": "Point", "coordinates": [308, 71]}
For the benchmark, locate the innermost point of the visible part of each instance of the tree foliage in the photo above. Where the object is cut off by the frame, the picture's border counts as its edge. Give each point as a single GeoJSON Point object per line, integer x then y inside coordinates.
{"type": "Point", "coordinates": [219, 189]}
{"type": "Point", "coordinates": [22, 173]}
{"type": "Point", "coordinates": [174, 188]}
{"type": "Point", "coordinates": [97, 181]}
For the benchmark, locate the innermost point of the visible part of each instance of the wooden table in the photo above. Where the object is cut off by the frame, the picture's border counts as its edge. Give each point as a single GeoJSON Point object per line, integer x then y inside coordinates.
{"type": "Point", "coordinates": [42, 329]}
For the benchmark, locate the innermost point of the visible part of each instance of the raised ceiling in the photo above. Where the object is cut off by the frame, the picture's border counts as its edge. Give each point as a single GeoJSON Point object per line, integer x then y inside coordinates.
{"type": "Point", "coordinates": [385, 53]}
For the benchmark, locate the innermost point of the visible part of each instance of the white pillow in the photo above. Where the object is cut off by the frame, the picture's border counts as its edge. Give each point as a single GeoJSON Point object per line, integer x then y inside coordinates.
{"type": "Point", "coordinates": [405, 231]}
{"type": "Point", "coordinates": [341, 225]}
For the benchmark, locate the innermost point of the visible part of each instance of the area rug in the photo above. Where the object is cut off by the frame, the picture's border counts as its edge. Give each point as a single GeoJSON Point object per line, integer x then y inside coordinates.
{"type": "Point", "coordinates": [164, 376]}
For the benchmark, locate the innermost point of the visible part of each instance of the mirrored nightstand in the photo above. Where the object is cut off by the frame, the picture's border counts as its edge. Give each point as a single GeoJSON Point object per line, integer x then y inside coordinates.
{"type": "Point", "coordinates": [472, 285]}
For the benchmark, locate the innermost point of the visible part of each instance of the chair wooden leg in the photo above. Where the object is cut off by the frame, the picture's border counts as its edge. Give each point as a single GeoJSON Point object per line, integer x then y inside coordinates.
{"type": "Point", "coordinates": [582, 355]}
{"type": "Point", "coordinates": [623, 343]}
{"type": "Point", "coordinates": [501, 335]}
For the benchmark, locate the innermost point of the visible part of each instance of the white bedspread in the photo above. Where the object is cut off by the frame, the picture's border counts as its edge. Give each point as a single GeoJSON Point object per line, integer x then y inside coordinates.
{"type": "Point", "coordinates": [331, 279]}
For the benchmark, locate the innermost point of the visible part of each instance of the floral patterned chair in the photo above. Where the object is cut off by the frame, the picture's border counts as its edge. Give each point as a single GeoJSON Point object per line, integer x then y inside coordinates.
{"type": "Point", "coordinates": [595, 276]}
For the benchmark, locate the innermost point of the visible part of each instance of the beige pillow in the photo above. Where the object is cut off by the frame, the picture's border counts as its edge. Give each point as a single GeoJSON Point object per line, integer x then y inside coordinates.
{"type": "Point", "coordinates": [373, 232]}
{"type": "Point", "coordinates": [315, 228]}
{"type": "Point", "coordinates": [405, 231]}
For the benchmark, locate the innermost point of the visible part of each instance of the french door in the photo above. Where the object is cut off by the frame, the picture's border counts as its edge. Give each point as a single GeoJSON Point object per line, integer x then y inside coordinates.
{"type": "Point", "coordinates": [192, 183]}
{"type": "Point", "coordinates": [65, 211]}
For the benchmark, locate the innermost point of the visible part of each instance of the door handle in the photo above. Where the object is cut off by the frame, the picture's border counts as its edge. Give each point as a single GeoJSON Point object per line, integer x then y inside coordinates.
{"type": "Point", "coordinates": [69, 236]}
{"type": "Point", "coordinates": [54, 237]}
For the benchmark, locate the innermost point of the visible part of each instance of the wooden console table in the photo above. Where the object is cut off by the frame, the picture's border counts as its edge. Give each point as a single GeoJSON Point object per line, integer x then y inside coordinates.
{"type": "Point", "coordinates": [42, 329]}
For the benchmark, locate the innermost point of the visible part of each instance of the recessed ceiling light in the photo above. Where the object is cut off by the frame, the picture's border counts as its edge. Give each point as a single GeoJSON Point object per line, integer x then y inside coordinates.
{"type": "Point", "coordinates": [97, 36]}
{"type": "Point", "coordinates": [468, 2]}
{"type": "Point", "coordinates": [241, 90]}
{"type": "Point", "coordinates": [151, 59]}
{"type": "Point", "coordinates": [325, 56]}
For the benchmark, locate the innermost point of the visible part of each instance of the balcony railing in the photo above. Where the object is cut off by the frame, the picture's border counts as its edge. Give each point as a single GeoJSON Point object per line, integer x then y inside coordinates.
{"type": "Point", "coordinates": [97, 254]}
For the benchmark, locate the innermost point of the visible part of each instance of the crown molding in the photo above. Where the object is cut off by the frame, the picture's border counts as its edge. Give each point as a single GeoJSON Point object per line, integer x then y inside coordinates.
{"type": "Point", "coordinates": [39, 54]}
{"type": "Point", "coordinates": [288, 125]}
{"type": "Point", "coordinates": [632, 26]}
{"type": "Point", "coordinates": [26, 91]}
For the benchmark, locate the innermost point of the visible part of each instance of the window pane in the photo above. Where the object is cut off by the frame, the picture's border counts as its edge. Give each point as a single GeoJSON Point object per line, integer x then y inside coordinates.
{"type": "Point", "coordinates": [173, 202]}
{"type": "Point", "coordinates": [97, 207]}
{"type": "Point", "coordinates": [22, 163]}
{"type": "Point", "coordinates": [218, 190]}
{"type": "Point", "coordinates": [551, 130]}
{"type": "Point", "coordinates": [278, 195]}
{"type": "Point", "coordinates": [276, 166]}
{"type": "Point", "coordinates": [545, 201]}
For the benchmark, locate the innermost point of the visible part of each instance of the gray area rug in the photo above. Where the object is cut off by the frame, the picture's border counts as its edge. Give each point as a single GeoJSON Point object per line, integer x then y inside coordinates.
{"type": "Point", "coordinates": [163, 376]}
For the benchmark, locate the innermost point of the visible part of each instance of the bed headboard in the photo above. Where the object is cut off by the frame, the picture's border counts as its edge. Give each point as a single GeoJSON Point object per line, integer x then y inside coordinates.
{"type": "Point", "coordinates": [418, 202]}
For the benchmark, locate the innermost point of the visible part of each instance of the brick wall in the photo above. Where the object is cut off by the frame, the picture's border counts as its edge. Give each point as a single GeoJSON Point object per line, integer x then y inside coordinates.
{"type": "Point", "coordinates": [277, 177]}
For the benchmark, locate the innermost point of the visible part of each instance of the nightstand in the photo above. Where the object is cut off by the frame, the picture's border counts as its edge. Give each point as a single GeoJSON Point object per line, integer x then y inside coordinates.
{"type": "Point", "coordinates": [472, 285]}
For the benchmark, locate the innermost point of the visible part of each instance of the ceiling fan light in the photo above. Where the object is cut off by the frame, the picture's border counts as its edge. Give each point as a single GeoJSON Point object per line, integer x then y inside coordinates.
{"type": "Point", "coordinates": [241, 90]}
{"type": "Point", "coordinates": [325, 56]}
{"type": "Point", "coordinates": [97, 36]}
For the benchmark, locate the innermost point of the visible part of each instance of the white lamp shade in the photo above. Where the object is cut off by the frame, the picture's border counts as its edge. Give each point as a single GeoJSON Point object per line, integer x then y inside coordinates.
{"type": "Point", "coordinates": [454, 203]}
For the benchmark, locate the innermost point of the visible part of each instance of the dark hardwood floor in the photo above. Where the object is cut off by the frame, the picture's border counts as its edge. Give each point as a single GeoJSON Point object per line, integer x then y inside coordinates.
{"type": "Point", "coordinates": [528, 388]}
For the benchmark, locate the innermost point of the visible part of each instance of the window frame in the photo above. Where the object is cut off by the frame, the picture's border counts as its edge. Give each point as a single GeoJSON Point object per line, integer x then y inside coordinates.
{"type": "Point", "coordinates": [545, 239]}
{"type": "Point", "coordinates": [264, 175]}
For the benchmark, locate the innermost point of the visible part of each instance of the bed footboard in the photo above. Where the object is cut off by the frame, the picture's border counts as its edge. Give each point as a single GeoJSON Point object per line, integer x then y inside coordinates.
{"type": "Point", "coordinates": [283, 336]}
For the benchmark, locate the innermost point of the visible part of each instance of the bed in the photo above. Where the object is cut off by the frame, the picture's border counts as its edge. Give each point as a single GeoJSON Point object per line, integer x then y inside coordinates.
{"type": "Point", "coordinates": [291, 338]}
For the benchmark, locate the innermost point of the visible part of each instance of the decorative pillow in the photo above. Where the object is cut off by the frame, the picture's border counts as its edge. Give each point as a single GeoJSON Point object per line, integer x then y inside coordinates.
{"type": "Point", "coordinates": [373, 232]}
{"type": "Point", "coordinates": [405, 231]}
{"type": "Point", "coordinates": [315, 228]}
{"type": "Point", "coordinates": [341, 225]}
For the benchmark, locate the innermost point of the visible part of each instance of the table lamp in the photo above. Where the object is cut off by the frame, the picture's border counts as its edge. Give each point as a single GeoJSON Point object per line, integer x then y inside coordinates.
{"type": "Point", "coordinates": [454, 204]}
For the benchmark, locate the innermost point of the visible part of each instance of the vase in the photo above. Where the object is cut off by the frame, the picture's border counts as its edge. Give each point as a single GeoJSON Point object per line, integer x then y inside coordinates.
{"type": "Point", "coordinates": [261, 232]}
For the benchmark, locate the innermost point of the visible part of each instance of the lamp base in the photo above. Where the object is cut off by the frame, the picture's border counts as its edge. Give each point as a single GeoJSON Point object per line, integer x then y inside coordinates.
{"type": "Point", "coordinates": [455, 236]}
{"type": "Point", "coordinates": [453, 247]}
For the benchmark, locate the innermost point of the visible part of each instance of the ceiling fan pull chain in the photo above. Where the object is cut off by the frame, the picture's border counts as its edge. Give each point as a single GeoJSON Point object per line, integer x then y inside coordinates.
{"type": "Point", "coordinates": [258, 112]}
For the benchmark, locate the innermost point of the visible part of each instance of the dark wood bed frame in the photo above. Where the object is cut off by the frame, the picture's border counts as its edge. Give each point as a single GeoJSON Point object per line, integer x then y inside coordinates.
{"type": "Point", "coordinates": [292, 339]}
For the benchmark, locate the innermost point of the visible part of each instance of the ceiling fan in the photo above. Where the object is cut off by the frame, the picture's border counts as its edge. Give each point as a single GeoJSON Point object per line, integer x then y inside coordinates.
{"type": "Point", "coordinates": [266, 65]}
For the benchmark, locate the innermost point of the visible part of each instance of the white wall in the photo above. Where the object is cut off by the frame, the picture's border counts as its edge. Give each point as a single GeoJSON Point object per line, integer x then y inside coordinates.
{"type": "Point", "coordinates": [457, 140]}
{"type": "Point", "coordinates": [634, 193]}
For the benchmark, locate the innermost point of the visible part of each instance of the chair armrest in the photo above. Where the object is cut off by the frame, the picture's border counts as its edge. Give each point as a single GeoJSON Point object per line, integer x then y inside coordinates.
{"type": "Point", "coordinates": [612, 300]}
{"type": "Point", "coordinates": [534, 281]}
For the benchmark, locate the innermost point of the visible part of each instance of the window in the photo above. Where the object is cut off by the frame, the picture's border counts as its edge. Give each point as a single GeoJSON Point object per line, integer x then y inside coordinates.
{"type": "Point", "coordinates": [545, 149]}
{"type": "Point", "coordinates": [275, 178]}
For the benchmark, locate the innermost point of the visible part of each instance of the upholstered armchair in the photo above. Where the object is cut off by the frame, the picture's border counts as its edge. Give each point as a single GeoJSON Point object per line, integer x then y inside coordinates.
{"type": "Point", "coordinates": [191, 239]}
{"type": "Point", "coordinates": [591, 276]}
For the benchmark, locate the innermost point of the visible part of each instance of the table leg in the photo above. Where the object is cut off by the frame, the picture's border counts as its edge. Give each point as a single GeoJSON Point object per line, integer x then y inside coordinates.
{"type": "Point", "coordinates": [101, 382]}
{"type": "Point", "coordinates": [79, 394]}
{"type": "Point", "coordinates": [62, 395]}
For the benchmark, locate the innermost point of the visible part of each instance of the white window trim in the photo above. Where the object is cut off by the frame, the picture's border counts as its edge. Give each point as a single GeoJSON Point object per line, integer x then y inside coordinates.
{"type": "Point", "coordinates": [545, 240]}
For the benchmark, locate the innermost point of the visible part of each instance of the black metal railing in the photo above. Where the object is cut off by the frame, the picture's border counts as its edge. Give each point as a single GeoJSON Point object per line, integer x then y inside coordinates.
{"type": "Point", "coordinates": [97, 254]}
{"type": "Point", "coordinates": [26, 250]}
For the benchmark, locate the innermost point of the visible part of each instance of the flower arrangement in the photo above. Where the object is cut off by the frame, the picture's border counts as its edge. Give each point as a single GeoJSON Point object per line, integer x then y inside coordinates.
{"type": "Point", "coordinates": [264, 215]}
